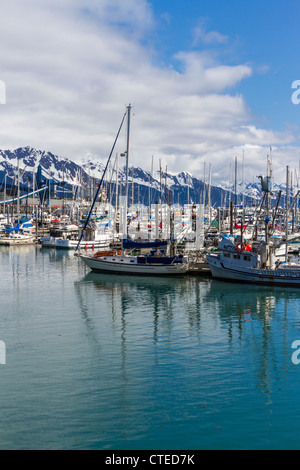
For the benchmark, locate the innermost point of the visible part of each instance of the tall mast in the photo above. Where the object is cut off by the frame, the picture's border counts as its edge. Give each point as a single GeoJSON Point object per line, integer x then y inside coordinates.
{"type": "Point", "coordinates": [235, 186]}
{"type": "Point", "coordinates": [18, 202]}
{"type": "Point", "coordinates": [243, 179]}
{"type": "Point", "coordinates": [4, 193]}
{"type": "Point", "coordinates": [209, 195]}
{"type": "Point", "coordinates": [132, 186]}
{"type": "Point", "coordinates": [99, 186]}
{"type": "Point", "coordinates": [117, 182]}
{"type": "Point", "coordinates": [286, 211]}
{"type": "Point", "coordinates": [127, 150]}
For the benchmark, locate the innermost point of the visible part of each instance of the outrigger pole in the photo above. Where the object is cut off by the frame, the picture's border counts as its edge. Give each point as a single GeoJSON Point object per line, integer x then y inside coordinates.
{"type": "Point", "coordinates": [100, 184]}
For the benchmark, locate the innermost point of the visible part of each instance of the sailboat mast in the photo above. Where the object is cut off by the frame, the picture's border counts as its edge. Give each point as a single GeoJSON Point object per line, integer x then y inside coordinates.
{"type": "Point", "coordinates": [127, 150]}
{"type": "Point", "coordinates": [18, 202]}
{"type": "Point", "coordinates": [4, 193]}
{"type": "Point", "coordinates": [99, 186]}
{"type": "Point", "coordinates": [117, 182]}
{"type": "Point", "coordinates": [287, 196]}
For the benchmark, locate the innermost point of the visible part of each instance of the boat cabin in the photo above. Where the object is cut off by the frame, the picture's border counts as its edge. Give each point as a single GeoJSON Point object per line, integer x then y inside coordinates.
{"type": "Point", "coordinates": [232, 254]}
{"type": "Point", "coordinates": [245, 259]}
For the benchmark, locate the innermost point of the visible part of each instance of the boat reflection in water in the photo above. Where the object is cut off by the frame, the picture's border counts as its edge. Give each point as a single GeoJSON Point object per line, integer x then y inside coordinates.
{"type": "Point", "coordinates": [201, 306]}
{"type": "Point", "coordinates": [191, 353]}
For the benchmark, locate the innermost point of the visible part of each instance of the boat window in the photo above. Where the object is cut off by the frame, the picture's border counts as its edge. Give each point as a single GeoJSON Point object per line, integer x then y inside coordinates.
{"type": "Point", "coordinates": [226, 255]}
{"type": "Point", "coordinates": [236, 256]}
{"type": "Point", "coordinates": [132, 261]}
{"type": "Point", "coordinates": [247, 258]}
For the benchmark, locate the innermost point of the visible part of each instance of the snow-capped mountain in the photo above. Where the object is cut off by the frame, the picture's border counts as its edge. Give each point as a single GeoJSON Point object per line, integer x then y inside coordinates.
{"type": "Point", "coordinates": [29, 159]}
{"type": "Point", "coordinates": [175, 188]}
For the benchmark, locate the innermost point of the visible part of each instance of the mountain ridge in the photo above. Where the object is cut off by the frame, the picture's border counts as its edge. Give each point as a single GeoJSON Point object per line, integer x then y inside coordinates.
{"type": "Point", "coordinates": [179, 188]}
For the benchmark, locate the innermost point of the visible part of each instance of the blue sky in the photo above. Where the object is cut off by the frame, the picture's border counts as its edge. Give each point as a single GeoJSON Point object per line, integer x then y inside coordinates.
{"type": "Point", "coordinates": [264, 34]}
{"type": "Point", "coordinates": [208, 81]}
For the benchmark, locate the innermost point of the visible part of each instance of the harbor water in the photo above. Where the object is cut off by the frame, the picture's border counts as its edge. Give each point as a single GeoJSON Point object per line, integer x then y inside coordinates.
{"type": "Point", "coordinates": [108, 362]}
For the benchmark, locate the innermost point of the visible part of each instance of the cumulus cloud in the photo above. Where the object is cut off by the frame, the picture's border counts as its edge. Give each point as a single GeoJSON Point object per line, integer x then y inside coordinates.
{"type": "Point", "coordinates": [71, 66]}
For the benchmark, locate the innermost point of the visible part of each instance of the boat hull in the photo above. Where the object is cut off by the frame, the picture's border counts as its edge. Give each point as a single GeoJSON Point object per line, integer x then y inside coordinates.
{"type": "Point", "coordinates": [281, 277]}
{"type": "Point", "coordinates": [18, 241]}
{"type": "Point", "coordinates": [53, 242]}
{"type": "Point", "coordinates": [129, 265]}
{"type": "Point", "coordinates": [72, 244]}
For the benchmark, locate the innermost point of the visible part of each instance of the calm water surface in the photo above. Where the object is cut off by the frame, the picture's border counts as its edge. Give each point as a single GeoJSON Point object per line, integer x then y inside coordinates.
{"type": "Point", "coordinates": [113, 362]}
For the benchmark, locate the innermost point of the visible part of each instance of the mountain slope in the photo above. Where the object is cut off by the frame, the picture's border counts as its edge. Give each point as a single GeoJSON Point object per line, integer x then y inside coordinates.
{"type": "Point", "coordinates": [179, 188]}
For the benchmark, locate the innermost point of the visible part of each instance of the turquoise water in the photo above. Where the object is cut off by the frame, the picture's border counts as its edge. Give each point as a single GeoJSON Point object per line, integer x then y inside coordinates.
{"type": "Point", "coordinates": [126, 363]}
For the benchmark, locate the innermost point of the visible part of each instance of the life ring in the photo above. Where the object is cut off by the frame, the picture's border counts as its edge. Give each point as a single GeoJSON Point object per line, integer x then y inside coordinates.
{"type": "Point", "coordinates": [240, 247]}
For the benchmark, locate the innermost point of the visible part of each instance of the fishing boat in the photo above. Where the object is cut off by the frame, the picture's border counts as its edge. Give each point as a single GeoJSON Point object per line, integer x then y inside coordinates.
{"type": "Point", "coordinates": [93, 238]}
{"type": "Point", "coordinates": [251, 264]}
{"type": "Point", "coordinates": [59, 231]}
{"type": "Point", "coordinates": [67, 236]}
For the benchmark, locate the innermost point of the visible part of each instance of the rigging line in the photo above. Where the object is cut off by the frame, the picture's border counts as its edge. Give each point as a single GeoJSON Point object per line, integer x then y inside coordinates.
{"type": "Point", "coordinates": [100, 184]}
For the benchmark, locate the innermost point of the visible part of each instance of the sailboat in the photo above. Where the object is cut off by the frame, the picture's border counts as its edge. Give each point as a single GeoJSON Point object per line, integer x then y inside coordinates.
{"type": "Point", "coordinates": [156, 262]}
{"type": "Point", "coordinates": [22, 234]}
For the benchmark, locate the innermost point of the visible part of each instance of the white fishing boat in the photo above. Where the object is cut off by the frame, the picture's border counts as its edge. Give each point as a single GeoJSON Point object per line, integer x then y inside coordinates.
{"type": "Point", "coordinates": [93, 238]}
{"type": "Point", "coordinates": [67, 237]}
{"type": "Point", "coordinates": [59, 231]}
{"type": "Point", "coordinates": [254, 264]}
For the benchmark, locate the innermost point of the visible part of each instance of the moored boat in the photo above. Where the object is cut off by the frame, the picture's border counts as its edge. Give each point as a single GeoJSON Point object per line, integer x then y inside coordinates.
{"type": "Point", "coordinates": [154, 263]}
{"type": "Point", "coordinates": [157, 262]}
{"type": "Point", "coordinates": [22, 234]}
{"type": "Point", "coordinates": [67, 237]}
{"type": "Point", "coordinates": [255, 265]}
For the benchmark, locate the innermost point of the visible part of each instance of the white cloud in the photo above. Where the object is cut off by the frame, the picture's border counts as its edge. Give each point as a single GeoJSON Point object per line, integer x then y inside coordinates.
{"type": "Point", "coordinates": [204, 78]}
{"type": "Point", "coordinates": [71, 66]}
{"type": "Point", "coordinates": [208, 37]}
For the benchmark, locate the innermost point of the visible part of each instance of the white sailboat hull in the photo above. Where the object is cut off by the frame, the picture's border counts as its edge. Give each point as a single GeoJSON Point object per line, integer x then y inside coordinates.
{"type": "Point", "coordinates": [130, 265]}
{"type": "Point", "coordinates": [21, 240]}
